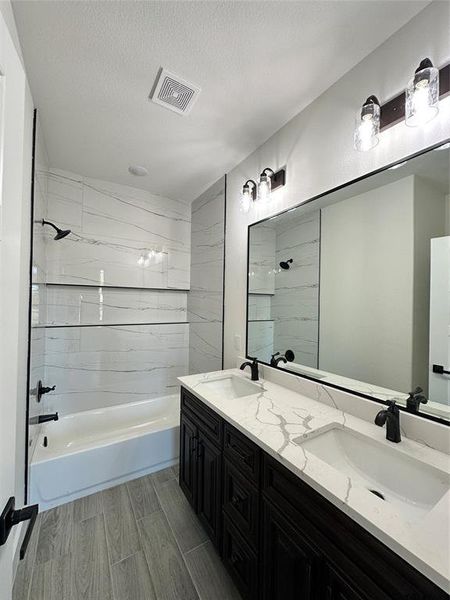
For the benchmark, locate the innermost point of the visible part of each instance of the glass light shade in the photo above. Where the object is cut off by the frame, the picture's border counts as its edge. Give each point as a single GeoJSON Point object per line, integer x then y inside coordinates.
{"type": "Point", "coordinates": [246, 199]}
{"type": "Point", "coordinates": [422, 97]}
{"type": "Point", "coordinates": [367, 126]}
{"type": "Point", "coordinates": [264, 187]}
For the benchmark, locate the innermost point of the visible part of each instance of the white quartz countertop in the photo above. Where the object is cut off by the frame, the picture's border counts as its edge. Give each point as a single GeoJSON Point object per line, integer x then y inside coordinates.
{"type": "Point", "coordinates": [276, 416]}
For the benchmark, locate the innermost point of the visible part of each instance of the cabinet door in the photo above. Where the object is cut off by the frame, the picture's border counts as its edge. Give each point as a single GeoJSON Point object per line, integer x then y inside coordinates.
{"type": "Point", "coordinates": [209, 477]}
{"type": "Point", "coordinates": [354, 585]}
{"type": "Point", "coordinates": [188, 458]}
{"type": "Point", "coordinates": [289, 564]}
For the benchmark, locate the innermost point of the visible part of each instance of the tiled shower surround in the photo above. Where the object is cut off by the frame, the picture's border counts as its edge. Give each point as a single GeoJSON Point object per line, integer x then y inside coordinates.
{"type": "Point", "coordinates": [119, 322]}
{"type": "Point", "coordinates": [205, 299]}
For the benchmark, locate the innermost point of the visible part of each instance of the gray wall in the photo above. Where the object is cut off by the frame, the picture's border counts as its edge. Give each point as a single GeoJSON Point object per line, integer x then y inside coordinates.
{"type": "Point", "coordinates": [205, 298]}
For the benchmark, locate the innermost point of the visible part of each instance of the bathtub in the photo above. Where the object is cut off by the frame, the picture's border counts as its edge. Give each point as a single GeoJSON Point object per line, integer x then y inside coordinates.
{"type": "Point", "coordinates": [96, 449]}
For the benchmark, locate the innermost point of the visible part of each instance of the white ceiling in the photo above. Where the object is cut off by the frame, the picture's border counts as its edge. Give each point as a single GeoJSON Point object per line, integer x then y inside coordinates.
{"type": "Point", "coordinates": [91, 67]}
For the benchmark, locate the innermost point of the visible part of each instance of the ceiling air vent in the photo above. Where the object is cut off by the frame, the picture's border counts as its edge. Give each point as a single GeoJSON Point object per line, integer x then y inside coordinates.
{"type": "Point", "coordinates": [175, 93]}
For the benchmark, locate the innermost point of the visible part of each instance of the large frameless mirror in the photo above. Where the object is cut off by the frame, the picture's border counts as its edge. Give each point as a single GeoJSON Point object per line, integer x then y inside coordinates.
{"type": "Point", "coordinates": [353, 288]}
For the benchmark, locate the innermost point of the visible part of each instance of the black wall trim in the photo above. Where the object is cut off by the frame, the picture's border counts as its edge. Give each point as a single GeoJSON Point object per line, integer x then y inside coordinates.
{"type": "Point", "coordinates": [27, 410]}
{"type": "Point", "coordinates": [308, 201]}
{"type": "Point", "coordinates": [223, 269]}
{"type": "Point", "coordinates": [112, 324]}
{"type": "Point", "coordinates": [116, 287]}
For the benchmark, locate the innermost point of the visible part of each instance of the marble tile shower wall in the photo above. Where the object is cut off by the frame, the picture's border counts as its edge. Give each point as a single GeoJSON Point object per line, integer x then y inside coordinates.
{"type": "Point", "coordinates": [122, 236]}
{"type": "Point", "coordinates": [94, 367]}
{"type": "Point", "coordinates": [116, 327]}
{"type": "Point", "coordinates": [295, 305]}
{"type": "Point", "coordinates": [261, 274]}
{"type": "Point", "coordinates": [205, 299]}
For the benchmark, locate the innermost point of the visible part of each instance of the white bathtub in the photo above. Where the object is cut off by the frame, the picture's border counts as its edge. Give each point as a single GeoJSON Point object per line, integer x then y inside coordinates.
{"type": "Point", "coordinates": [96, 449]}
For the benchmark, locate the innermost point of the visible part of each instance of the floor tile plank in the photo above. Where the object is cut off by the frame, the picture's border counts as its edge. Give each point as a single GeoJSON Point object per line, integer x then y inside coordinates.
{"type": "Point", "coordinates": [161, 477]}
{"type": "Point", "coordinates": [55, 533]}
{"type": "Point", "coordinates": [25, 567]}
{"type": "Point", "coordinates": [52, 580]}
{"type": "Point", "coordinates": [184, 523]}
{"type": "Point", "coordinates": [168, 571]}
{"type": "Point", "coordinates": [87, 507]}
{"type": "Point", "coordinates": [143, 497]}
{"type": "Point", "coordinates": [209, 575]}
{"type": "Point", "coordinates": [131, 579]}
{"type": "Point", "coordinates": [121, 531]}
{"type": "Point", "coordinates": [91, 577]}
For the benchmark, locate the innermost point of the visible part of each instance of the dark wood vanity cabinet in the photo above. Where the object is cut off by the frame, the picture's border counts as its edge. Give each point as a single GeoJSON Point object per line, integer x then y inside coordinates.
{"type": "Point", "coordinates": [279, 538]}
{"type": "Point", "coordinates": [201, 472]}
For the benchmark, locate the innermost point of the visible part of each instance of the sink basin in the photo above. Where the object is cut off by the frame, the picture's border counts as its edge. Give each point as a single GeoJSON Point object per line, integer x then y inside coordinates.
{"type": "Point", "coordinates": [411, 486]}
{"type": "Point", "coordinates": [231, 386]}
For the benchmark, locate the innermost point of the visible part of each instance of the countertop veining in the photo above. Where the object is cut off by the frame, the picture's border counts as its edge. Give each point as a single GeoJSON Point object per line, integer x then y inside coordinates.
{"type": "Point", "coordinates": [277, 416]}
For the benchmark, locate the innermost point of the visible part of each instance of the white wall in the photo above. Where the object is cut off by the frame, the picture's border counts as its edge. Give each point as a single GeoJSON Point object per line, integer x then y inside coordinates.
{"type": "Point", "coordinates": [17, 112]}
{"type": "Point", "coordinates": [317, 145]}
{"type": "Point", "coordinates": [366, 286]}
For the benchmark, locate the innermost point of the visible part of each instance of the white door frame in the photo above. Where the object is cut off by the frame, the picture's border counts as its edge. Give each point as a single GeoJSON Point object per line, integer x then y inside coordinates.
{"type": "Point", "coordinates": [16, 121]}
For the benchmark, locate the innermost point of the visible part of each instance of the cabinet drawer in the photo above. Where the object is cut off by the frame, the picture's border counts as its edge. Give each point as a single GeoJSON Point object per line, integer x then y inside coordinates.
{"type": "Point", "coordinates": [241, 561]}
{"type": "Point", "coordinates": [241, 503]}
{"type": "Point", "coordinates": [242, 453]}
{"type": "Point", "coordinates": [204, 417]}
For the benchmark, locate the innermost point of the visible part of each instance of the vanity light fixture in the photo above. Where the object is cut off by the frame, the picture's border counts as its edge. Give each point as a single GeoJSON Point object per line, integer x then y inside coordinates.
{"type": "Point", "coordinates": [422, 95]}
{"type": "Point", "coordinates": [265, 184]}
{"type": "Point", "coordinates": [248, 195]}
{"type": "Point", "coordinates": [367, 125]}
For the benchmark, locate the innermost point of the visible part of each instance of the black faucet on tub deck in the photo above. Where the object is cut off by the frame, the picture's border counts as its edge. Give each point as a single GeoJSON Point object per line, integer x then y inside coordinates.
{"type": "Point", "coordinates": [390, 416]}
{"type": "Point", "coordinates": [253, 366]}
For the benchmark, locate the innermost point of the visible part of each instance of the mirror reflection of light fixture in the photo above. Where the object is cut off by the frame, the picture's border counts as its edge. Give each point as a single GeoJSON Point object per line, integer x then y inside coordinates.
{"type": "Point", "coordinates": [422, 95]}
{"type": "Point", "coordinates": [248, 195]}
{"type": "Point", "coordinates": [265, 185]}
{"type": "Point", "coordinates": [367, 125]}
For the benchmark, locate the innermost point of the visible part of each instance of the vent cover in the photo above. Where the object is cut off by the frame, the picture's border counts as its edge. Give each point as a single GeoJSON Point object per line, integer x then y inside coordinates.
{"type": "Point", "coordinates": [175, 93]}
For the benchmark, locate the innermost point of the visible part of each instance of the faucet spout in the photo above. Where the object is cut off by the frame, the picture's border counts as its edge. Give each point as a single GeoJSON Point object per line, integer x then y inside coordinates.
{"type": "Point", "coordinates": [253, 366]}
{"type": "Point", "coordinates": [391, 417]}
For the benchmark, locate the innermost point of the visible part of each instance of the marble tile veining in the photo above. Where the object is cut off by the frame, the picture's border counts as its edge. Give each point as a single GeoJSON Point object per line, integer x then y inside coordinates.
{"type": "Point", "coordinates": [278, 418]}
{"type": "Point", "coordinates": [67, 305]}
{"type": "Point", "coordinates": [121, 236]}
{"type": "Point", "coordinates": [205, 298]}
{"type": "Point", "coordinates": [95, 367]}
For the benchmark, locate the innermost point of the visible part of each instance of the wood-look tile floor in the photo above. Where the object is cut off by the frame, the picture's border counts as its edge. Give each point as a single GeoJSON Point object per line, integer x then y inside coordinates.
{"type": "Point", "coordinates": [137, 541]}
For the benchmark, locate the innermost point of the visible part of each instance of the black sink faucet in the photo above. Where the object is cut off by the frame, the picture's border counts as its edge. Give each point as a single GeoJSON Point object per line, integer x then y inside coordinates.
{"type": "Point", "coordinates": [253, 366]}
{"type": "Point", "coordinates": [390, 416]}
{"type": "Point", "coordinates": [415, 399]}
{"type": "Point", "coordinates": [274, 361]}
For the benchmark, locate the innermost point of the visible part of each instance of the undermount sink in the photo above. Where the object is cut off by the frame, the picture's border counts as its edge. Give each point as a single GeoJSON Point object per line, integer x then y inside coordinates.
{"type": "Point", "coordinates": [231, 386]}
{"type": "Point", "coordinates": [408, 484]}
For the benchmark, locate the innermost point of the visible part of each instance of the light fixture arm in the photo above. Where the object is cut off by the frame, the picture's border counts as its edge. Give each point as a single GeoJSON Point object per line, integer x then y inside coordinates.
{"type": "Point", "coordinates": [264, 173]}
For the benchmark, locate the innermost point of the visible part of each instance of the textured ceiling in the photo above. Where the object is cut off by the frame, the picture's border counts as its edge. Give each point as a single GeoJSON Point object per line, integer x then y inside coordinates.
{"type": "Point", "coordinates": [91, 66]}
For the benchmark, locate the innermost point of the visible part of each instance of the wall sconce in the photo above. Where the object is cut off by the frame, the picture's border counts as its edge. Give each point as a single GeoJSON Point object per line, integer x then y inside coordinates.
{"type": "Point", "coordinates": [422, 95]}
{"type": "Point", "coordinates": [248, 195]}
{"type": "Point", "coordinates": [268, 181]}
{"type": "Point", "coordinates": [367, 125]}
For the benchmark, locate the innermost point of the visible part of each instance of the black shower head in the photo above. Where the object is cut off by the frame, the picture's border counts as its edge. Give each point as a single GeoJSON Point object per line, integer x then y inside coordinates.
{"type": "Point", "coordinates": [286, 265]}
{"type": "Point", "coordinates": [60, 233]}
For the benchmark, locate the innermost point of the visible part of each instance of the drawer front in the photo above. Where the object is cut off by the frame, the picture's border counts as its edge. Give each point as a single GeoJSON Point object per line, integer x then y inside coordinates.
{"type": "Point", "coordinates": [205, 418]}
{"type": "Point", "coordinates": [241, 561]}
{"type": "Point", "coordinates": [242, 453]}
{"type": "Point", "coordinates": [241, 503]}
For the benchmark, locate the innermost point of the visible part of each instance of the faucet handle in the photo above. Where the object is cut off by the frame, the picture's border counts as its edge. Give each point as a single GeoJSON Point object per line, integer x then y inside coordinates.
{"type": "Point", "coordinates": [254, 359]}
{"type": "Point", "coordinates": [276, 354]}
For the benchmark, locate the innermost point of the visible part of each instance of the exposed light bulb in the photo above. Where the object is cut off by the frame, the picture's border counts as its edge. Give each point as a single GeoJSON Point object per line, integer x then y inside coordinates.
{"type": "Point", "coordinates": [367, 125]}
{"type": "Point", "coordinates": [264, 186]}
{"type": "Point", "coordinates": [247, 196]}
{"type": "Point", "coordinates": [422, 95]}
{"type": "Point", "coordinates": [246, 200]}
